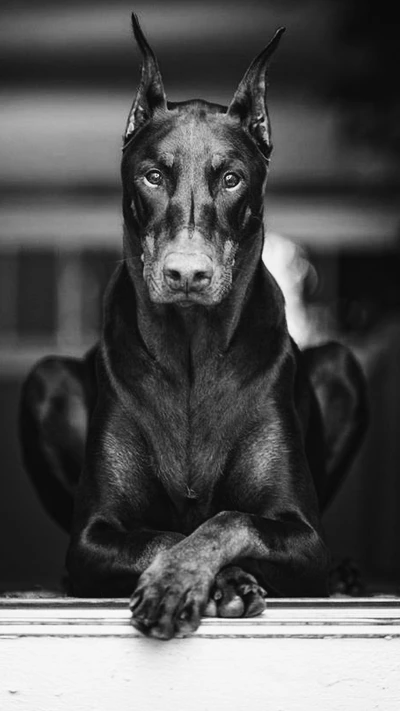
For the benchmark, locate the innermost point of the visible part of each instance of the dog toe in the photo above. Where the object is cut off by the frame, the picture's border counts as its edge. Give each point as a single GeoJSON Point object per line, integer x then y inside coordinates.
{"type": "Point", "coordinates": [254, 604]}
{"type": "Point", "coordinates": [211, 609]}
{"type": "Point", "coordinates": [231, 607]}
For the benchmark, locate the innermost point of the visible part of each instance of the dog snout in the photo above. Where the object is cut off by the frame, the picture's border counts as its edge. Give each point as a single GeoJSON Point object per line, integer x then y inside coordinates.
{"type": "Point", "coordinates": [187, 273]}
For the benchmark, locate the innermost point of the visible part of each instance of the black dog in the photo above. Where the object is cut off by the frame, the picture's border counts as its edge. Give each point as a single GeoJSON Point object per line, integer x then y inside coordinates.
{"type": "Point", "coordinates": [197, 443]}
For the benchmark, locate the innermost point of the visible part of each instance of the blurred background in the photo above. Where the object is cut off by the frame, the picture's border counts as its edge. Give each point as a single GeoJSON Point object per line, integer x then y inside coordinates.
{"type": "Point", "coordinates": [69, 73]}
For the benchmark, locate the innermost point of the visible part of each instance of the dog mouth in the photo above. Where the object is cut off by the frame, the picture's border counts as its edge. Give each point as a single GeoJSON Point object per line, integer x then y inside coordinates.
{"type": "Point", "coordinates": [184, 301]}
{"type": "Point", "coordinates": [159, 293]}
{"type": "Point", "coordinates": [188, 300]}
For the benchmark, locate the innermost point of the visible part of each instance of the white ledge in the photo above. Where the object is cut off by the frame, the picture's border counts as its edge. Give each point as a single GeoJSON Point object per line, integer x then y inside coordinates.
{"type": "Point", "coordinates": [73, 617]}
{"type": "Point", "coordinates": [300, 655]}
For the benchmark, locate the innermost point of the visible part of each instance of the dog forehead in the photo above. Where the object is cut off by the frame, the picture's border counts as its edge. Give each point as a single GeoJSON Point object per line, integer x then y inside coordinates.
{"type": "Point", "coordinates": [197, 136]}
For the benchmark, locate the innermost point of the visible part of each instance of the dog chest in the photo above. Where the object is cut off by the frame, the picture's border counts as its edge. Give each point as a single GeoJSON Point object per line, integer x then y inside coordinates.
{"type": "Point", "coordinates": [192, 430]}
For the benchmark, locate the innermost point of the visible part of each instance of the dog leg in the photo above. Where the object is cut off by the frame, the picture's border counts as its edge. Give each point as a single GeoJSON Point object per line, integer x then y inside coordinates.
{"type": "Point", "coordinates": [339, 386]}
{"type": "Point", "coordinates": [56, 400]}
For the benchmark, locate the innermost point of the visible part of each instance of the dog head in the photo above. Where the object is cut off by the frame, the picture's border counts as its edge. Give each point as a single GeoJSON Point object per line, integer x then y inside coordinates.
{"type": "Point", "coordinates": [193, 177]}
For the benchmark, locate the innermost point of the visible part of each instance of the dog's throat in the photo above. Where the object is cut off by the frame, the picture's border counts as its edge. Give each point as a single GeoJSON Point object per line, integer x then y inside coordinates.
{"type": "Point", "coordinates": [190, 493]}
{"type": "Point", "coordinates": [190, 369]}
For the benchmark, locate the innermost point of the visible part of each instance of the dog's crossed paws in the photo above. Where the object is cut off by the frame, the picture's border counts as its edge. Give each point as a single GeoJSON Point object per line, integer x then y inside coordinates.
{"type": "Point", "coordinates": [171, 597]}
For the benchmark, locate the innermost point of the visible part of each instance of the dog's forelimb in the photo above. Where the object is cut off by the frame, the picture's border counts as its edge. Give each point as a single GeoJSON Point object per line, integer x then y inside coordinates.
{"type": "Point", "coordinates": [290, 557]}
{"type": "Point", "coordinates": [104, 561]}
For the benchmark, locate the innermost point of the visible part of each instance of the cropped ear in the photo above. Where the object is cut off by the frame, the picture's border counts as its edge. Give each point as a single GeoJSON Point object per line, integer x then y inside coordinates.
{"type": "Point", "coordinates": [249, 102]}
{"type": "Point", "coordinates": [150, 94]}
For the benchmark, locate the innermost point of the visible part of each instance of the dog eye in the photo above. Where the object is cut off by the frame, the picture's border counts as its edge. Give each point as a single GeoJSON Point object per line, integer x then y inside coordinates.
{"type": "Point", "coordinates": [231, 180]}
{"type": "Point", "coordinates": [153, 178]}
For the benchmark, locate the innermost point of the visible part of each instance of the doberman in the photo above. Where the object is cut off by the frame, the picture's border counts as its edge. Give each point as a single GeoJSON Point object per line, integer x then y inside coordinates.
{"type": "Point", "coordinates": [191, 452]}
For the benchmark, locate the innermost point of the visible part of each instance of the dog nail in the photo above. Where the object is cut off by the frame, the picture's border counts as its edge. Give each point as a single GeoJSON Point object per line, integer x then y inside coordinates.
{"type": "Point", "coordinates": [246, 589]}
{"type": "Point", "coordinates": [134, 601]}
{"type": "Point", "coordinates": [211, 609]}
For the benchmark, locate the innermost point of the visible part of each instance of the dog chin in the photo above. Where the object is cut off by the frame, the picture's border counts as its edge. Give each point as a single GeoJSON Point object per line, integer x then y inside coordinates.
{"type": "Point", "coordinates": [207, 302]}
{"type": "Point", "coordinates": [185, 301]}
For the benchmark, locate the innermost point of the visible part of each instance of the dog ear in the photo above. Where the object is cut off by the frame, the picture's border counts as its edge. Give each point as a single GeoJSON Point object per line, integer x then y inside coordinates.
{"type": "Point", "coordinates": [150, 94]}
{"type": "Point", "coordinates": [249, 102]}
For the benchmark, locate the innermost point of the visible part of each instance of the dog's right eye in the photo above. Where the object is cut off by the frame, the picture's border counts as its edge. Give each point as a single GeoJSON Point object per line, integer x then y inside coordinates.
{"type": "Point", "coordinates": [231, 180]}
{"type": "Point", "coordinates": [153, 178]}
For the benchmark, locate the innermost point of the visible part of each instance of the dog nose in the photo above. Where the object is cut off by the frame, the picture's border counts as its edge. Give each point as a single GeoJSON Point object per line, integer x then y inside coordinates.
{"type": "Point", "coordinates": [188, 272]}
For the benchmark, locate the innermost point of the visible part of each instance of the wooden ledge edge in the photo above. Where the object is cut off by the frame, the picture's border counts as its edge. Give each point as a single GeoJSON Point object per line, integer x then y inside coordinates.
{"type": "Point", "coordinates": [312, 618]}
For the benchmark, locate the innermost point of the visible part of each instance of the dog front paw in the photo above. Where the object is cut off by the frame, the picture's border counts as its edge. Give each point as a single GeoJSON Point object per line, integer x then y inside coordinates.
{"type": "Point", "coordinates": [235, 593]}
{"type": "Point", "coordinates": [170, 597]}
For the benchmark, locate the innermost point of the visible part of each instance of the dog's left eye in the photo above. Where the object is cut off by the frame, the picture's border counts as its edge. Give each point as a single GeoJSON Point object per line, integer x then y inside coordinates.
{"type": "Point", "coordinates": [231, 180]}
{"type": "Point", "coordinates": [153, 178]}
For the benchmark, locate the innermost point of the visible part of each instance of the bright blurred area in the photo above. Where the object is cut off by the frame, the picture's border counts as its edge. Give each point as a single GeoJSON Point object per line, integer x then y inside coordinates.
{"type": "Point", "coordinates": [69, 73]}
